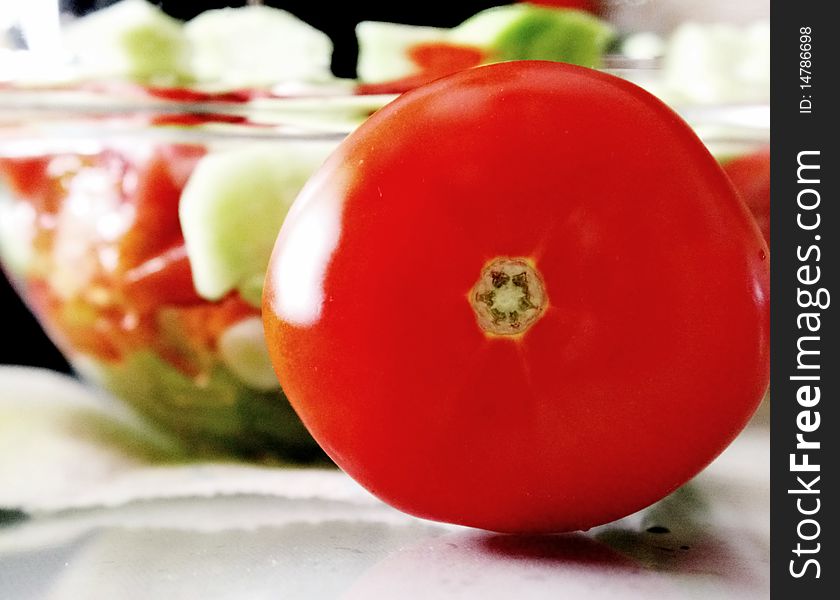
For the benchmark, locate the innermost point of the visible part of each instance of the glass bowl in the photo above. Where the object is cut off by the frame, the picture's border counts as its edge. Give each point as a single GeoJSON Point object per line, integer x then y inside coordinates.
{"type": "Point", "coordinates": [91, 237]}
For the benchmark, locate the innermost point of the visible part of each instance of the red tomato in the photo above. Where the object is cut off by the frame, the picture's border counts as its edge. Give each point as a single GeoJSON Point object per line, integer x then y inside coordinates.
{"type": "Point", "coordinates": [750, 175]}
{"type": "Point", "coordinates": [523, 298]}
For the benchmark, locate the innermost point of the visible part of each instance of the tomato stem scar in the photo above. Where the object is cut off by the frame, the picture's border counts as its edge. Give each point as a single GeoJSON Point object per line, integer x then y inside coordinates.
{"type": "Point", "coordinates": [508, 297]}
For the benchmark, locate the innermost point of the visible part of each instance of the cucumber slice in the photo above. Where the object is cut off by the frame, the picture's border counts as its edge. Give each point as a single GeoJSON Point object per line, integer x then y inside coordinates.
{"type": "Point", "coordinates": [514, 32]}
{"type": "Point", "coordinates": [233, 206]}
{"type": "Point", "coordinates": [17, 231]}
{"type": "Point", "coordinates": [243, 351]}
{"type": "Point", "coordinates": [256, 46]}
{"type": "Point", "coordinates": [569, 36]}
{"type": "Point", "coordinates": [484, 28]}
{"type": "Point", "coordinates": [130, 39]}
{"type": "Point", "coordinates": [718, 63]}
{"type": "Point", "coordinates": [383, 48]}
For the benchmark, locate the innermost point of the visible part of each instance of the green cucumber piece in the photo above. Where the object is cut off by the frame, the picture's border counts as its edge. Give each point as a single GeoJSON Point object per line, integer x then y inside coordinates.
{"type": "Point", "coordinates": [384, 48]}
{"type": "Point", "coordinates": [718, 63]}
{"type": "Point", "coordinates": [256, 46]}
{"type": "Point", "coordinates": [515, 32]}
{"type": "Point", "coordinates": [17, 230]}
{"type": "Point", "coordinates": [568, 36]}
{"type": "Point", "coordinates": [232, 208]}
{"type": "Point", "coordinates": [484, 28]}
{"type": "Point", "coordinates": [243, 351]}
{"type": "Point", "coordinates": [130, 39]}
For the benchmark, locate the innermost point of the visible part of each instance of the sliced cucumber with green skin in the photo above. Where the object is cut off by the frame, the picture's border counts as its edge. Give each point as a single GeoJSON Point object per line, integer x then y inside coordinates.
{"type": "Point", "coordinates": [484, 28]}
{"type": "Point", "coordinates": [515, 32]}
{"type": "Point", "coordinates": [232, 208]}
{"type": "Point", "coordinates": [130, 39]}
{"type": "Point", "coordinates": [255, 46]}
{"type": "Point", "coordinates": [569, 36]}
{"type": "Point", "coordinates": [384, 48]}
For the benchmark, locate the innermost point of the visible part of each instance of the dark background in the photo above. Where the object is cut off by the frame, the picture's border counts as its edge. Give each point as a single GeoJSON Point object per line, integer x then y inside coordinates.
{"type": "Point", "coordinates": [23, 341]}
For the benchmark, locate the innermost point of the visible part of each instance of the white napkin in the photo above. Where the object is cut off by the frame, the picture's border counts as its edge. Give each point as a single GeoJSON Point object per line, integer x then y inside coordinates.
{"type": "Point", "coordinates": [64, 445]}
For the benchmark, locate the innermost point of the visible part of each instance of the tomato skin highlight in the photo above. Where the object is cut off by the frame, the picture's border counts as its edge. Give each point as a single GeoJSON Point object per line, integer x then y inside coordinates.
{"type": "Point", "coordinates": [652, 352]}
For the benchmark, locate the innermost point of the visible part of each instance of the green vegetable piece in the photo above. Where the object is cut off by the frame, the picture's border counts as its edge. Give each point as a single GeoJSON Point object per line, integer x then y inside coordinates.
{"type": "Point", "coordinates": [131, 39]}
{"type": "Point", "coordinates": [242, 348]}
{"type": "Point", "coordinates": [255, 46]}
{"type": "Point", "coordinates": [718, 64]}
{"type": "Point", "coordinates": [569, 36]}
{"type": "Point", "coordinates": [232, 208]}
{"type": "Point", "coordinates": [251, 290]}
{"type": "Point", "coordinates": [384, 48]}
{"type": "Point", "coordinates": [17, 230]}
{"type": "Point", "coordinates": [514, 32]}
{"type": "Point", "coordinates": [483, 29]}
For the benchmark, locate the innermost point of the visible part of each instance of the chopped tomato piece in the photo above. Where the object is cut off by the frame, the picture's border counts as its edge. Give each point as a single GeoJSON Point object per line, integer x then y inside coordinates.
{"type": "Point", "coordinates": [435, 60]}
{"type": "Point", "coordinates": [156, 226]}
{"type": "Point", "coordinates": [162, 280]}
{"type": "Point", "coordinates": [26, 177]}
{"type": "Point", "coordinates": [442, 59]}
{"type": "Point", "coordinates": [592, 6]}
